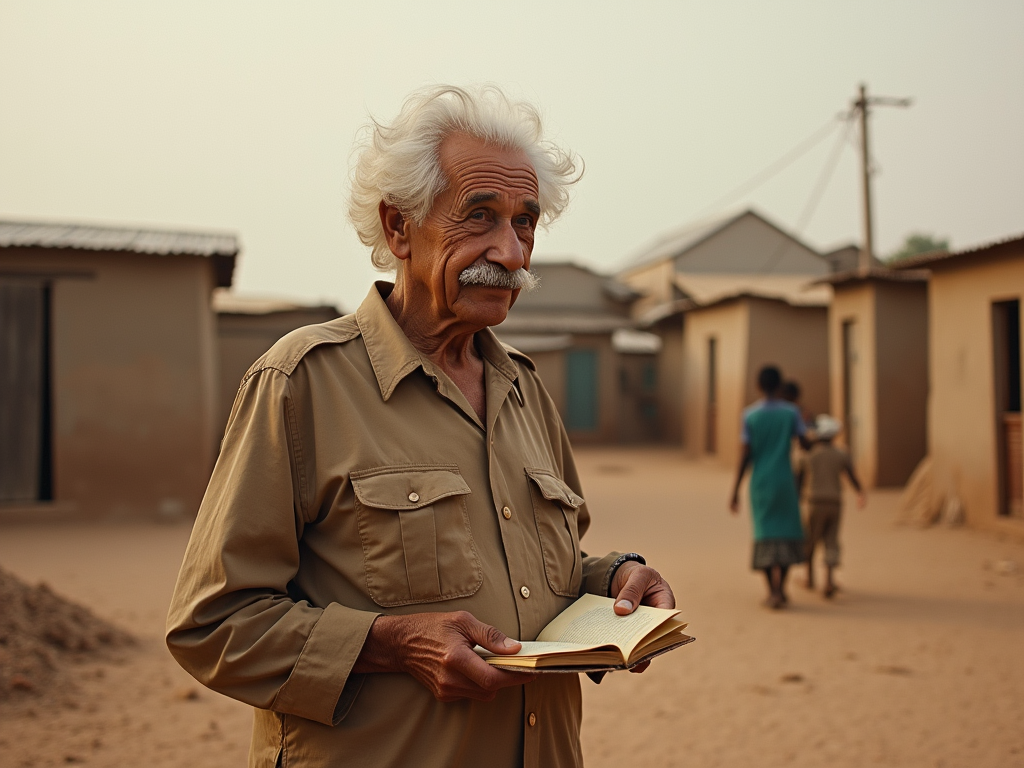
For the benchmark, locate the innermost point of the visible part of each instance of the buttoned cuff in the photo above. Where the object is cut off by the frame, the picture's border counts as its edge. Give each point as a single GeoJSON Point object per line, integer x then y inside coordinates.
{"type": "Point", "coordinates": [597, 574]}
{"type": "Point", "coordinates": [315, 686]}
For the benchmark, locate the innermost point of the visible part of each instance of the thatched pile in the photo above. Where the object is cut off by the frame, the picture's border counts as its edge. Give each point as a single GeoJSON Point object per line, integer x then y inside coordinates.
{"type": "Point", "coordinates": [43, 634]}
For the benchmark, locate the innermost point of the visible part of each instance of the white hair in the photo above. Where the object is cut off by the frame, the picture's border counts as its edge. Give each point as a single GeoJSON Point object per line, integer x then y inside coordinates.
{"type": "Point", "coordinates": [400, 164]}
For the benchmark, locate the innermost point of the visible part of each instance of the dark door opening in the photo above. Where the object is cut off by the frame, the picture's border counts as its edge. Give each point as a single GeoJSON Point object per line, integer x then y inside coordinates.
{"type": "Point", "coordinates": [711, 435]}
{"type": "Point", "coordinates": [581, 390]}
{"type": "Point", "coordinates": [1009, 449]}
{"type": "Point", "coordinates": [26, 443]}
{"type": "Point", "coordinates": [849, 379]}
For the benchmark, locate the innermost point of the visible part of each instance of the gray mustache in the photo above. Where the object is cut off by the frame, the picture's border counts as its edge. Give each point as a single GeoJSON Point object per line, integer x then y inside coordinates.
{"type": "Point", "coordinates": [493, 275]}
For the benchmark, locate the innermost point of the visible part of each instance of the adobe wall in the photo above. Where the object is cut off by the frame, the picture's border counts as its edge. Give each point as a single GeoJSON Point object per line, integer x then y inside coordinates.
{"type": "Point", "coordinates": [551, 369]}
{"type": "Point", "coordinates": [796, 340]}
{"type": "Point", "coordinates": [961, 410]}
{"type": "Point", "coordinates": [728, 323]}
{"type": "Point", "coordinates": [637, 398]}
{"type": "Point", "coordinates": [856, 302]}
{"type": "Point", "coordinates": [670, 379]}
{"type": "Point", "coordinates": [133, 377]}
{"type": "Point", "coordinates": [243, 338]}
{"type": "Point", "coordinates": [901, 311]}
{"type": "Point", "coordinates": [654, 281]}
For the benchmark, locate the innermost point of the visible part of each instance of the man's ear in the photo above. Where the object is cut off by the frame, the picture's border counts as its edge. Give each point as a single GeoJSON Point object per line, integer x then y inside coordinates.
{"type": "Point", "coordinates": [396, 230]}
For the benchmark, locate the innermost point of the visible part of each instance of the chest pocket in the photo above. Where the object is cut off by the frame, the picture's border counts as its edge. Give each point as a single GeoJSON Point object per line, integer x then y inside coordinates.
{"type": "Point", "coordinates": [414, 527]}
{"type": "Point", "coordinates": [555, 508]}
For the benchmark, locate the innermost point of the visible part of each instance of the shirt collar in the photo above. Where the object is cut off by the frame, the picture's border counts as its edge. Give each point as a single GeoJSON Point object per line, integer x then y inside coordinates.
{"type": "Point", "coordinates": [393, 356]}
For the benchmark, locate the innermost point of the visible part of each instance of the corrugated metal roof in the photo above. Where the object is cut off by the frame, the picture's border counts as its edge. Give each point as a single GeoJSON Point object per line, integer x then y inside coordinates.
{"type": "Point", "coordinates": [663, 311]}
{"type": "Point", "coordinates": [936, 258]}
{"type": "Point", "coordinates": [847, 259]}
{"type": "Point", "coordinates": [102, 238]}
{"type": "Point", "coordinates": [875, 273]}
{"type": "Point", "coordinates": [677, 241]}
{"type": "Point", "coordinates": [630, 342]}
{"type": "Point", "coordinates": [796, 290]}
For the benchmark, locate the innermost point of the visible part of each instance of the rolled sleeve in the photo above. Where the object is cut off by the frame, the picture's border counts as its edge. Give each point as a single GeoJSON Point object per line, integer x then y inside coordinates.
{"type": "Point", "coordinates": [314, 688]}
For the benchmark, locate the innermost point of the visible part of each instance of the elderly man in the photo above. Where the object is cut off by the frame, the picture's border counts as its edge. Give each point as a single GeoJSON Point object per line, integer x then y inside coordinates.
{"type": "Point", "coordinates": [396, 487]}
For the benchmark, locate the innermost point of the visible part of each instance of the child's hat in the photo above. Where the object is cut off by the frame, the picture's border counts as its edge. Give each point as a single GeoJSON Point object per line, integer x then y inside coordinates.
{"type": "Point", "coordinates": [827, 426]}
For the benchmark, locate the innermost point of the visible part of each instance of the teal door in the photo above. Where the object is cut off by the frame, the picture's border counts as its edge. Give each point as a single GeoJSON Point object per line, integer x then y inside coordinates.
{"type": "Point", "coordinates": [581, 390]}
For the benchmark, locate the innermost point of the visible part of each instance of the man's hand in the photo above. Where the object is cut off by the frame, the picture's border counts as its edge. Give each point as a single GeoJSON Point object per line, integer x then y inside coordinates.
{"type": "Point", "coordinates": [437, 650]}
{"type": "Point", "coordinates": [634, 584]}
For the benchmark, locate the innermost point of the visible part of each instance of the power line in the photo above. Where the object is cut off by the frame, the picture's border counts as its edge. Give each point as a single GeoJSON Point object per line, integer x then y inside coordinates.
{"type": "Point", "coordinates": [823, 179]}
{"type": "Point", "coordinates": [775, 168]}
{"type": "Point", "coordinates": [818, 191]}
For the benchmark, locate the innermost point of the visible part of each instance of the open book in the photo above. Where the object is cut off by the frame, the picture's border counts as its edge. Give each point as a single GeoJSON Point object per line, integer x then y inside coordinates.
{"type": "Point", "coordinates": [588, 636]}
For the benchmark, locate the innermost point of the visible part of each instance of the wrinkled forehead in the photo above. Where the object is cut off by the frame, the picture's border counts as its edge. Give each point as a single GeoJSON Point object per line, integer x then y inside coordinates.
{"type": "Point", "coordinates": [472, 166]}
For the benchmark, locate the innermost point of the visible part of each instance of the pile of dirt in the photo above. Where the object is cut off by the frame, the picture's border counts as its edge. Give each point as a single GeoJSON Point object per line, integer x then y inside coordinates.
{"type": "Point", "coordinates": [42, 635]}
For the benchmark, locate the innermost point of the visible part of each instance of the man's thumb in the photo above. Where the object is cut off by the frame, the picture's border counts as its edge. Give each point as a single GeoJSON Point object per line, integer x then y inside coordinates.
{"type": "Point", "coordinates": [631, 594]}
{"type": "Point", "coordinates": [493, 639]}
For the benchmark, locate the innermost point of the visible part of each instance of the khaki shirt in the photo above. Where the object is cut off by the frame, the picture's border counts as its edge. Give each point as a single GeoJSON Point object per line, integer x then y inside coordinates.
{"type": "Point", "coordinates": [823, 467]}
{"type": "Point", "coordinates": [355, 480]}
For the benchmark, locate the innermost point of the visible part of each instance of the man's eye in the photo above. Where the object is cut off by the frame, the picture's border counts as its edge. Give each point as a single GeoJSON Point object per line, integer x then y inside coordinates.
{"type": "Point", "coordinates": [524, 221]}
{"type": "Point", "coordinates": [478, 215]}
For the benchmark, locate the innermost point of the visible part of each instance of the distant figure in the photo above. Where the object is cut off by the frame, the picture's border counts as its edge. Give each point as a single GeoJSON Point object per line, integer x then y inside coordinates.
{"type": "Point", "coordinates": [790, 392]}
{"type": "Point", "coordinates": [822, 468]}
{"type": "Point", "coordinates": [769, 427]}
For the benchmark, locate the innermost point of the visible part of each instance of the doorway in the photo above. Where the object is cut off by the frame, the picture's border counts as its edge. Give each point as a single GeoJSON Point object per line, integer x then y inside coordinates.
{"type": "Point", "coordinates": [711, 434]}
{"type": "Point", "coordinates": [849, 384]}
{"type": "Point", "coordinates": [1009, 449]}
{"type": "Point", "coordinates": [26, 456]}
{"type": "Point", "coordinates": [581, 390]}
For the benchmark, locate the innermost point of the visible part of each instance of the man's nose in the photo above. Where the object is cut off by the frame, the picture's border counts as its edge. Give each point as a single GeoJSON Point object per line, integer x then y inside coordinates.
{"type": "Point", "coordinates": [506, 248]}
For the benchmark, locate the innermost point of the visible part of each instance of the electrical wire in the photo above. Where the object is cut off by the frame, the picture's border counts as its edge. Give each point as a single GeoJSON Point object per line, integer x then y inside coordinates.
{"type": "Point", "coordinates": [823, 180]}
{"type": "Point", "coordinates": [815, 197]}
{"type": "Point", "coordinates": [775, 168]}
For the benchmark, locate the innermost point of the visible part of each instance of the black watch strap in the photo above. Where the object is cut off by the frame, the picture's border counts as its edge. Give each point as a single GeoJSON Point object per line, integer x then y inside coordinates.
{"type": "Point", "coordinates": [623, 559]}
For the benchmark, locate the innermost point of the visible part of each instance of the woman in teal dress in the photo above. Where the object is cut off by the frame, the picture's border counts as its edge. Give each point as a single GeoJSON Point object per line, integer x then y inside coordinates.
{"type": "Point", "coordinates": [769, 427]}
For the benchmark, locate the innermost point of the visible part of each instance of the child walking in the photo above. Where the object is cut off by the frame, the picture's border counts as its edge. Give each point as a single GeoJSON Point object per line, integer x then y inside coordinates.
{"type": "Point", "coordinates": [819, 475]}
{"type": "Point", "coordinates": [769, 427]}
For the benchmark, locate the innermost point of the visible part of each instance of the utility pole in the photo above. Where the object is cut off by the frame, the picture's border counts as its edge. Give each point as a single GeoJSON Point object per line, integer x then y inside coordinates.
{"type": "Point", "coordinates": [861, 105]}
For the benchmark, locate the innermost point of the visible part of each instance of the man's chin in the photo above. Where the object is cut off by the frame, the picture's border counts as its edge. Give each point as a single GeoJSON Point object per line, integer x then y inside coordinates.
{"type": "Point", "coordinates": [489, 306]}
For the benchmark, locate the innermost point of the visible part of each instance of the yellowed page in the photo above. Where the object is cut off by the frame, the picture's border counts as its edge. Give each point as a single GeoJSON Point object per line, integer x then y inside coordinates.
{"type": "Point", "coordinates": [538, 649]}
{"type": "Point", "coordinates": [592, 622]}
{"type": "Point", "coordinates": [673, 635]}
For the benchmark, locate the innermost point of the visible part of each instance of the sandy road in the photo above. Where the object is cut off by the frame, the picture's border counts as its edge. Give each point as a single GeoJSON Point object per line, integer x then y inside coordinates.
{"type": "Point", "coordinates": [919, 662]}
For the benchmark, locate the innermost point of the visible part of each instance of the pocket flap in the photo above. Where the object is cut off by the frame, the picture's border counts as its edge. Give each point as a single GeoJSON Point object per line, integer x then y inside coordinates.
{"type": "Point", "coordinates": [553, 489]}
{"type": "Point", "coordinates": [404, 488]}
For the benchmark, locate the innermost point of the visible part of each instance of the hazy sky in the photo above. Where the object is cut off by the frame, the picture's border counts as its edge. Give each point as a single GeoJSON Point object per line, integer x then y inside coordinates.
{"type": "Point", "coordinates": [241, 115]}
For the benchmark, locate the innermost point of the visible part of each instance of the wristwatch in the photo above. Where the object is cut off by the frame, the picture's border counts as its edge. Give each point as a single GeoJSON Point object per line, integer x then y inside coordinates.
{"type": "Point", "coordinates": [619, 561]}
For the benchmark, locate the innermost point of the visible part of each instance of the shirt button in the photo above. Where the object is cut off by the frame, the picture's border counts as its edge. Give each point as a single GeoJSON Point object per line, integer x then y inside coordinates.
{"type": "Point", "coordinates": [507, 513]}
{"type": "Point", "coordinates": [525, 591]}
{"type": "Point", "coordinates": [532, 719]}
{"type": "Point", "coordinates": [414, 497]}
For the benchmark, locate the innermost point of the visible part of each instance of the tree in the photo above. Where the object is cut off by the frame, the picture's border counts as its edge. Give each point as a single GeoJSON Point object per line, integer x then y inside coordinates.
{"type": "Point", "coordinates": [916, 243]}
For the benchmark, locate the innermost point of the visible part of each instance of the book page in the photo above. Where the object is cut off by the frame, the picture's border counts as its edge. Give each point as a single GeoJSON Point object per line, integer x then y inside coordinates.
{"type": "Point", "coordinates": [535, 648]}
{"type": "Point", "coordinates": [592, 621]}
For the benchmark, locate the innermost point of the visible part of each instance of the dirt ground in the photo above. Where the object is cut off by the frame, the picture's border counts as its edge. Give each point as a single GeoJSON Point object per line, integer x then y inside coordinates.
{"type": "Point", "coordinates": [918, 662]}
